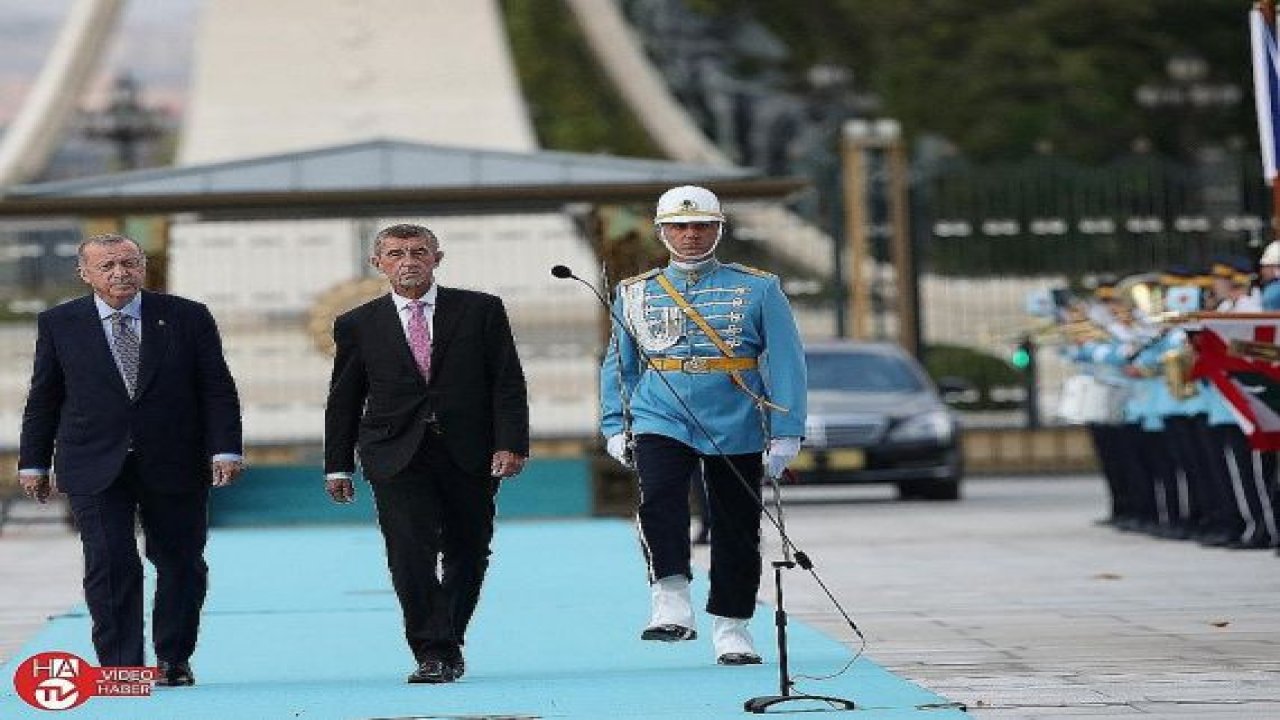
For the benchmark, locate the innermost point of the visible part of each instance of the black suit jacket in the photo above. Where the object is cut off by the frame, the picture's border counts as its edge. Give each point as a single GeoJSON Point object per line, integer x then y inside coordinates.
{"type": "Point", "coordinates": [79, 413]}
{"type": "Point", "coordinates": [378, 401]}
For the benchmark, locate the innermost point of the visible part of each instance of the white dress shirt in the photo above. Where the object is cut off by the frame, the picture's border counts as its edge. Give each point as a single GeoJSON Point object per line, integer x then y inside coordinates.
{"type": "Point", "coordinates": [428, 309]}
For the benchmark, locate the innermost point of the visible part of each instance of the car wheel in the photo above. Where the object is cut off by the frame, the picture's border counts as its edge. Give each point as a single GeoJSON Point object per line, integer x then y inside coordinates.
{"type": "Point", "coordinates": [941, 489]}
{"type": "Point", "coordinates": [909, 490]}
{"type": "Point", "coordinates": [945, 489]}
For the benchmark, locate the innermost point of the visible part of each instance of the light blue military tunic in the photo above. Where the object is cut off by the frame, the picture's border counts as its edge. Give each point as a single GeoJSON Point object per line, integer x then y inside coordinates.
{"type": "Point", "coordinates": [1271, 296]}
{"type": "Point", "coordinates": [1144, 404]}
{"type": "Point", "coordinates": [749, 311]}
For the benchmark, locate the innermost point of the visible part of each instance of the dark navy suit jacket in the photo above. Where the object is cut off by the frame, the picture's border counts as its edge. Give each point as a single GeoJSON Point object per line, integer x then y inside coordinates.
{"type": "Point", "coordinates": [80, 415]}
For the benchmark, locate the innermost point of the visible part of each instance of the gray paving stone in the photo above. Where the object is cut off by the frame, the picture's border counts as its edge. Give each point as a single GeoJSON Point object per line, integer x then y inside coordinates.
{"type": "Point", "coordinates": [1012, 598]}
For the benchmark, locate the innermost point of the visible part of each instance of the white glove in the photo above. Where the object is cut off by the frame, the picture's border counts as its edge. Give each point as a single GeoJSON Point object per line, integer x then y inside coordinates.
{"type": "Point", "coordinates": [616, 446]}
{"type": "Point", "coordinates": [782, 450]}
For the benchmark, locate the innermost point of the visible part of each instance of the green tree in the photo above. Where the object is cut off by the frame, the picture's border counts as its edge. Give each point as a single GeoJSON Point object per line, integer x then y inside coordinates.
{"type": "Point", "coordinates": [1001, 77]}
{"type": "Point", "coordinates": [571, 102]}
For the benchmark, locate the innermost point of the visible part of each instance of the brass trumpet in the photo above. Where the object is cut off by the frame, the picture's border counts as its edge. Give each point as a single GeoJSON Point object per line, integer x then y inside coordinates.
{"type": "Point", "coordinates": [1144, 292]}
{"type": "Point", "coordinates": [1074, 333]}
{"type": "Point", "coordinates": [1177, 372]}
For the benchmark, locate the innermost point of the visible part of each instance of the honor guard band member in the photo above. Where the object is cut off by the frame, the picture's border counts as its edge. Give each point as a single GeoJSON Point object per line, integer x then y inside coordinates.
{"type": "Point", "coordinates": [718, 377]}
{"type": "Point", "coordinates": [1269, 276]}
{"type": "Point", "coordinates": [1233, 285]}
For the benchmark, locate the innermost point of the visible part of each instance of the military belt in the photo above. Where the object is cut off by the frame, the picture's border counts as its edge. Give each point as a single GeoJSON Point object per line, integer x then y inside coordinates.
{"type": "Point", "coordinates": [703, 364]}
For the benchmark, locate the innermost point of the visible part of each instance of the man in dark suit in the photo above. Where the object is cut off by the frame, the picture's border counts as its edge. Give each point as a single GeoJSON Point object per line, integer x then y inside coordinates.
{"type": "Point", "coordinates": [132, 401]}
{"type": "Point", "coordinates": [428, 387]}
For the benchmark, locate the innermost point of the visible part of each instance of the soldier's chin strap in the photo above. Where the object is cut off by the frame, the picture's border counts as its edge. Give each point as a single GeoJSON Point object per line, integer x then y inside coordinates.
{"type": "Point", "coordinates": [662, 235]}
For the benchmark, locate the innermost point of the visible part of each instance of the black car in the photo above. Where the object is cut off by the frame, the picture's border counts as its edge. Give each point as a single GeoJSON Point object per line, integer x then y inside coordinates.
{"type": "Point", "coordinates": [876, 417]}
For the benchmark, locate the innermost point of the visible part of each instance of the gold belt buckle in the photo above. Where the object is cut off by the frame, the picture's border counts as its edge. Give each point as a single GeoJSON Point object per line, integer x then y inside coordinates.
{"type": "Point", "coordinates": [696, 365]}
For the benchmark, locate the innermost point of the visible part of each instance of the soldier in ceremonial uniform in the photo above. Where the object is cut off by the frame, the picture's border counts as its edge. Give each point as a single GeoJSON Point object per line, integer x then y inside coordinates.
{"type": "Point", "coordinates": [1233, 285]}
{"type": "Point", "coordinates": [1238, 470]}
{"type": "Point", "coordinates": [1269, 276]}
{"type": "Point", "coordinates": [1176, 407]}
{"type": "Point", "coordinates": [709, 371]}
{"type": "Point", "coordinates": [1108, 437]}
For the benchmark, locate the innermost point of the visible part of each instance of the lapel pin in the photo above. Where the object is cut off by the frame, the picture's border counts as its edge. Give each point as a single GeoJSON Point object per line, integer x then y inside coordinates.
{"type": "Point", "coordinates": [160, 323]}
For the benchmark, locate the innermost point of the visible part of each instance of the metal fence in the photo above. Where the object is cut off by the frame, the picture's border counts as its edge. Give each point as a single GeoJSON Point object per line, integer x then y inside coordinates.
{"type": "Point", "coordinates": [988, 235]}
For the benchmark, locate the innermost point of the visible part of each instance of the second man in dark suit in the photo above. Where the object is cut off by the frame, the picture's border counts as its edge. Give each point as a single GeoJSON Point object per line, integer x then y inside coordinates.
{"type": "Point", "coordinates": [428, 389]}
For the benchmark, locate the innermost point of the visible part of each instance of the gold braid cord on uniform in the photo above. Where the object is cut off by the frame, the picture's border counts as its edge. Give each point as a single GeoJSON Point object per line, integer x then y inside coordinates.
{"type": "Point", "coordinates": [714, 336]}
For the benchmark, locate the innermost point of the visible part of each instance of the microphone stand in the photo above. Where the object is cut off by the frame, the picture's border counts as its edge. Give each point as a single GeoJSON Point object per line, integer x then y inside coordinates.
{"type": "Point", "coordinates": [791, 555]}
{"type": "Point", "coordinates": [762, 703]}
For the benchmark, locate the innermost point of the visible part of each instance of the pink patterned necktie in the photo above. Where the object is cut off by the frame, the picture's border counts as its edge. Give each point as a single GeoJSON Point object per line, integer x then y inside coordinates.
{"type": "Point", "coordinates": [420, 337]}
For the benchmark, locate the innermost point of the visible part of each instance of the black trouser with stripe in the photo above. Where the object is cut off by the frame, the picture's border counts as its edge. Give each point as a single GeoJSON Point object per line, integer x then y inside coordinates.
{"type": "Point", "coordinates": [1143, 463]}
{"type": "Point", "coordinates": [1191, 476]}
{"type": "Point", "coordinates": [1162, 488]}
{"type": "Point", "coordinates": [665, 466]}
{"type": "Point", "coordinates": [1221, 517]}
{"type": "Point", "coordinates": [1108, 444]}
{"type": "Point", "coordinates": [1251, 472]}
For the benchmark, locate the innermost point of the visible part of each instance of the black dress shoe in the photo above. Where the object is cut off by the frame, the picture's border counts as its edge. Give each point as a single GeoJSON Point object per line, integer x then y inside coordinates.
{"type": "Point", "coordinates": [739, 659]}
{"type": "Point", "coordinates": [175, 674]}
{"type": "Point", "coordinates": [1258, 544]}
{"type": "Point", "coordinates": [1220, 539]}
{"type": "Point", "coordinates": [435, 671]}
{"type": "Point", "coordinates": [668, 633]}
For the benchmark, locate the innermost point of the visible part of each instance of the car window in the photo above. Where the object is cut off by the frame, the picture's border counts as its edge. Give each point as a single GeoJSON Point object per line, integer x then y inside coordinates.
{"type": "Point", "coordinates": [861, 372]}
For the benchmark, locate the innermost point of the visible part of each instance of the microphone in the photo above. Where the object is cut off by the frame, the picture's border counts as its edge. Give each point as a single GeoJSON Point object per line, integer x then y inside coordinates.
{"type": "Point", "coordinates": [564, 273]}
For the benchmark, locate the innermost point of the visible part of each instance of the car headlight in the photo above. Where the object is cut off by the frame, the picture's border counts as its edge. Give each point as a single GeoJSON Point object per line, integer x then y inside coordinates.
{"type": "Point", "coordinates": [933, 425]}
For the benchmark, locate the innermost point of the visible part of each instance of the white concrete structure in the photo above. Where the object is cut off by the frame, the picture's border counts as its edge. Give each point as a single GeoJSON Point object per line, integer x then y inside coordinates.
{"type": "Point", "coordinates": [288, 75]}
{"type": "Point", "coordinates": [264, 281]}
{"type": "Point", "coordinates": [39, 125]}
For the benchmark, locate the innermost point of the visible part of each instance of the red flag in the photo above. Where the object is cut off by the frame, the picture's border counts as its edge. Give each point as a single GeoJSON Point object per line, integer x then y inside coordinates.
{"type": "Point", "coordinates": [1238, 354]}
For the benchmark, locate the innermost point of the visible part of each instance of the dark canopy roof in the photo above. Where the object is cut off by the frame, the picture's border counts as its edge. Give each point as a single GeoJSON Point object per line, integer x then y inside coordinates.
{"type": "Point", "coordinates": [381, 177]}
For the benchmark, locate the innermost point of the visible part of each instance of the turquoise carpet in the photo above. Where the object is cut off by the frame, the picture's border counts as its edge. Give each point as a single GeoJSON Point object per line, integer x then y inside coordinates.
{"type": "Point", "coordinates": [302, 623]}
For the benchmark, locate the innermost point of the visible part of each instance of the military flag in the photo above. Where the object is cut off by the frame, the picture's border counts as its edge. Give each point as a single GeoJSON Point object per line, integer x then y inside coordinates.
{"type": "Point", "coordinates": [1238, 353]}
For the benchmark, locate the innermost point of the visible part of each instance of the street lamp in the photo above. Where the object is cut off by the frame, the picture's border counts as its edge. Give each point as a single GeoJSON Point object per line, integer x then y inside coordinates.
{"type": "Point", "coordinates": [126, 122]}
{"type": "Point", "coordinates": [860, 137]}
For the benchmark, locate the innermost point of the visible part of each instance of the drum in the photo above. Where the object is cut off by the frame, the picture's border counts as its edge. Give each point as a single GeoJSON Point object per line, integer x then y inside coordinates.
{"type": "Point", "coordinates": [1086, 399]}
